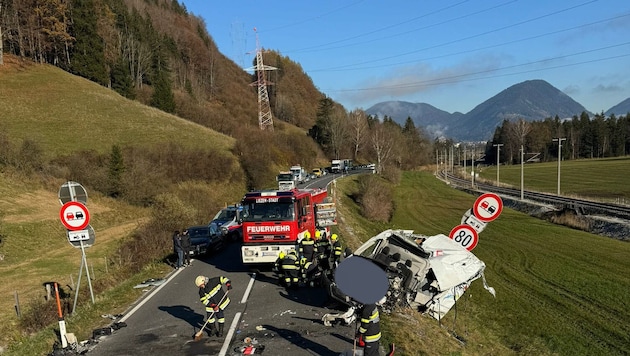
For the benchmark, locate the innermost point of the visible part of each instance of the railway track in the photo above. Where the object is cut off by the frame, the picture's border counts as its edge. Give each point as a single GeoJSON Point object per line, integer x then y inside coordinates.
{"type": "Point", "coordinates": [581, 206]}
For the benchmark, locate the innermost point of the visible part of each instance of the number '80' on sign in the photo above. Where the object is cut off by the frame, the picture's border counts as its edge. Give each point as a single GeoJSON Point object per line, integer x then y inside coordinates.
{"type": "Point", "coordinates": [465, 236]}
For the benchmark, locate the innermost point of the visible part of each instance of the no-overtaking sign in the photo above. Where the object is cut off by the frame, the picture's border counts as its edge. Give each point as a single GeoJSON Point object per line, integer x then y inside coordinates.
{"type": "Point", "coordinates": [74, 216]}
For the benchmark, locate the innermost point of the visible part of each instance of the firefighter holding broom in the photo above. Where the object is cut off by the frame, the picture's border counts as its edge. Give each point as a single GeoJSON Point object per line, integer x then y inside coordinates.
{"type": "Point", "coordinates": [215, 299]}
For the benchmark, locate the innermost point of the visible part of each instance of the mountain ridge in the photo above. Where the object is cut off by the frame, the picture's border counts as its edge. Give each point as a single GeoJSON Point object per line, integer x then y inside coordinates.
{"type": "Point", "coordinates": [530, 100]}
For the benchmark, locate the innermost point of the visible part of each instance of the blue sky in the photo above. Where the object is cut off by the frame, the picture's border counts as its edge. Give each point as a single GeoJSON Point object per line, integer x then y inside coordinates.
{"type": "Point", "coordinates": [452, 54]}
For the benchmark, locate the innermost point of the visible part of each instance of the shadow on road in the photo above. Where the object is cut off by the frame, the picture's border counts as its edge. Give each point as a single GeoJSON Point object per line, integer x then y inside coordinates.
{"type": "Point", "coordinates": [185, 313]}
{"type": "Point", "coordinates": [298, 340]}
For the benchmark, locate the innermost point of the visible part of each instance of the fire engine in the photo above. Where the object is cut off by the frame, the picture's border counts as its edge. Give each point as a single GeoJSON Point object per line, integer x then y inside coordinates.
{"type": "Point", "coordinates": [275, 221]}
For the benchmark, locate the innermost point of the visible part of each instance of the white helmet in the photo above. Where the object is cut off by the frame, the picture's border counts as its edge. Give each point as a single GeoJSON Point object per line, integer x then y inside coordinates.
{"type": "Point", "coordinates": [200, 280]}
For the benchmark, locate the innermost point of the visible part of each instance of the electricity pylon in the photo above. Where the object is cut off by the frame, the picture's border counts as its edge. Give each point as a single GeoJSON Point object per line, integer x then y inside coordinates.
{"type": "Point", "coordinates": [265, 119]}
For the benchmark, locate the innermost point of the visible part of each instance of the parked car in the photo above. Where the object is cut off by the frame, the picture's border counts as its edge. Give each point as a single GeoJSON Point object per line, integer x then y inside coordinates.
{"type": "Point", "coordinates": [203, 240]}
{"type": "Point", "coordinates": [227, 222]}
{"type": "Point", "coordinates": [317, 172]}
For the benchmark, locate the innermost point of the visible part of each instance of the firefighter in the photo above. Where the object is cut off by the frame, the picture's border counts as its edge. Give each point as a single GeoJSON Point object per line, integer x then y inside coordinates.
{"type": "Point", "coordinates": [215, 299]}
{"type": "Point", "coordinates": [369, 333]}
{"type": "Point", "coordinates": [307, 246]}
{"type": "Point", "coordinates": [308, 270]}
{"type": "Point", "coordinates": [337, 250]}
{"type": "Point", "coordinates": [322, 246]}
{"type": "Point", "coordinates": [290, 267]}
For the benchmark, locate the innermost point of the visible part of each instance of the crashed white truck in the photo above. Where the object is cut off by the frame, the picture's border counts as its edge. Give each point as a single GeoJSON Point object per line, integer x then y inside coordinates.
{"type": "Point", "coordinates": [426, 273]}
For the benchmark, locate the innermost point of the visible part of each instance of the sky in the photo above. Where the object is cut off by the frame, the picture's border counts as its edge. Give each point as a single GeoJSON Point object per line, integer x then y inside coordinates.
{"type": "Point", "coordinates": [452, 54]}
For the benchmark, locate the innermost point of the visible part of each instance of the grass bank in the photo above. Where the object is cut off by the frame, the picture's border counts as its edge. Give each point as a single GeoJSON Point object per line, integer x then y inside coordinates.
{"type": "Point", "coordinates": [559, 291]}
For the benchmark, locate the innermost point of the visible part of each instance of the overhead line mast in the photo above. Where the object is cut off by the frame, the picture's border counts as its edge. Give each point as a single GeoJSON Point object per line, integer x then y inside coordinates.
{"type": "Point", "coordinates": [265, 118]}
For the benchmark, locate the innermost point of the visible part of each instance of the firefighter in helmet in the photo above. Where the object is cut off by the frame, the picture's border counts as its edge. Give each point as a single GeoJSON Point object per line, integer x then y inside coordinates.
{"type": "Point", "coordinates": [290, 266]}
{"type": "Point", "coordinates": [307, 246]}
{"type": "Point", "coordinates": [308, 270]}
{"type": "Point", "coordinates": [215, 299]}
{"type": "Point", "coordinates": [322, 246]}
{"type": "Point", "coordinates": [337, 250]}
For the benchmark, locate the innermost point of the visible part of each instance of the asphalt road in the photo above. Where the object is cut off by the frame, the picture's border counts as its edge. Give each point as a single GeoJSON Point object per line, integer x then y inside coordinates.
{"type": "Point", "coordinates": [165, 320]}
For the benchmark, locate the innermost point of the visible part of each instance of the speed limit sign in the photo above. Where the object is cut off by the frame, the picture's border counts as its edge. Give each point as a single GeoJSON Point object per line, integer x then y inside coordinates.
{"type": "Point", "coordinates": [465, 235]}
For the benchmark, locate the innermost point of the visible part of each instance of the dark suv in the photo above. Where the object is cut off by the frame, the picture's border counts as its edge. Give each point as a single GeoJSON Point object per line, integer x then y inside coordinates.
{"type": "Point", "coordinates": [203, 240]}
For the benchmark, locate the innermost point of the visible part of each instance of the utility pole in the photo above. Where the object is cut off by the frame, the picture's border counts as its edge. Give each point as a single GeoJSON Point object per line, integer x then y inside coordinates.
{"type": "Point", "coordinates": [498, 146]}
{"type": "Point", "coordinates": [559, 140]}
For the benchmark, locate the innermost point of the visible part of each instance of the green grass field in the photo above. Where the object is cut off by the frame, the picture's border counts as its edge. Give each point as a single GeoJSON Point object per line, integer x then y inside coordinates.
{"type": "Point", "coordinates": [559, 291]}
{"type": "Point", "coordinates": [604, 179]}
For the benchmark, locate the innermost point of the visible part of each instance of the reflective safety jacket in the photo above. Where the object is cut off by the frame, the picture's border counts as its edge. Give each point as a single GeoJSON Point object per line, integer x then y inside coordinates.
{"type": "Point", "coordinates": [370, 327]}
{"type": "Point", "coordinates": [213, 295]}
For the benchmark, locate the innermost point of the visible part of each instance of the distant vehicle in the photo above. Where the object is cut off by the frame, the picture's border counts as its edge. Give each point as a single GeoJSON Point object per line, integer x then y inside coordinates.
{"type": "Point", "coordinates": [203, 241]}
{"type": "Point", "coordinates": [340, 165]}
{"type": "Point", "coordinates": [317, 172]}
{"type": "Point", "coordinates": [227, 223]}
{"type": "Point", "coordinates": [299, 174]}
{"type": "Point", "coordinates": [286, 181]}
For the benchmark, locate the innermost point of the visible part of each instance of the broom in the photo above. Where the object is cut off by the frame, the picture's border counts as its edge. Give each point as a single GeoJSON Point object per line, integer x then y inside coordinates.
{"type": "Point", "coordinates": [200, 332]}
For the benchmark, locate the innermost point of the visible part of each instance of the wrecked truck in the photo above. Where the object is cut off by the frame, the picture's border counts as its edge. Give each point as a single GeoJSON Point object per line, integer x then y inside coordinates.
{"type": "Point", "coordinates": [426, 273]}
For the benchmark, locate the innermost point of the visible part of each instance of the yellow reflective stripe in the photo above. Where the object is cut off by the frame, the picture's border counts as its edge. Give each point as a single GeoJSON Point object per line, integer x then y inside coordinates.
{"type": "Point", "coordinates": [373, 338]}
{"type": "Point", "coordinates": [289, 267]}
{"type": "Point", "coordinates": [225, 303]}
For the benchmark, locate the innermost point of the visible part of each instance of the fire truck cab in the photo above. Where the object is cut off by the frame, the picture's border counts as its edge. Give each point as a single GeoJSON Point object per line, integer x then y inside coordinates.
{"type": "Point", "coordinates": [275, 221]}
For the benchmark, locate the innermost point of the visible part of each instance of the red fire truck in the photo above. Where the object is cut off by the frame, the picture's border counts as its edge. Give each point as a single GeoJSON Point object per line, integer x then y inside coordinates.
{"type": "Point", "coordinates": [275, 221]}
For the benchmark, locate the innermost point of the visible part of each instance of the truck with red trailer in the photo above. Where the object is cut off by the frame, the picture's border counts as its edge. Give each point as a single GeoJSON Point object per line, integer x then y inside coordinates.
{"type": "Point", "coordinates": [275, 221]}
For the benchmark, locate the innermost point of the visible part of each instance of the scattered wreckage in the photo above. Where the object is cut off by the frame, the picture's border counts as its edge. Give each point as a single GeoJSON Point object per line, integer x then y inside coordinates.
{"type": "Point", "coordinates": [426, 273]}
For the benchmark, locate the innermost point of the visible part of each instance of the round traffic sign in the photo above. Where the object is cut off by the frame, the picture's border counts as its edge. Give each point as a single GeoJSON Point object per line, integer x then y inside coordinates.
{"type": "Point", "coordinates": [487, 207]}
{"type": "Point", "coordinates": [72, 191]}
{"type": "Point", "coordinates": [74, 216]}
{"type": "Point", "coordinates": [465, 235]}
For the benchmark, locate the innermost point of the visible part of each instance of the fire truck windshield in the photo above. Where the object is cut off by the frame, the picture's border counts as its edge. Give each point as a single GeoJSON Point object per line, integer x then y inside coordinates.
{"type": "Point", "coordinates": [268, 211]}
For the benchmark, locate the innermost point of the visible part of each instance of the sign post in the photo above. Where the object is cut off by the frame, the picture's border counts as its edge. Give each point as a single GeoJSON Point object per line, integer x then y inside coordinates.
{"type": "Point", "coordinates": [75, 216]}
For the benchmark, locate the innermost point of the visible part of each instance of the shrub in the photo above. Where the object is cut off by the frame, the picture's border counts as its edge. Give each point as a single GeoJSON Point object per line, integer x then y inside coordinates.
{"type": "Point", "coordinates": [375, 198]}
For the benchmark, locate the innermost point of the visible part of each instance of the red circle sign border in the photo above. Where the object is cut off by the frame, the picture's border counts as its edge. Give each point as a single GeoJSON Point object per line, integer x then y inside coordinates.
{"type": "Point", "coordinates": [86, 221]}
{"type": "Point", "coordinates": [477, 204]}
{"type": "Point", "coordinates": [473, 232]}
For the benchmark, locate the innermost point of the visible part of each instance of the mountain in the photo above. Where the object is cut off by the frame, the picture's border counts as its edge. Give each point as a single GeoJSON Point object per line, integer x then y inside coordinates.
{"type": "Point", "coordinates": [530, 100]}
{"type": "Point", "coordinates": [433, 120]}
{"type": "Point", "coordinates": [623, 108]}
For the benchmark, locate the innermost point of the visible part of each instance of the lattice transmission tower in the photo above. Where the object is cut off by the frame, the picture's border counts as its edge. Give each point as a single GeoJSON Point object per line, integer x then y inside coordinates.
{"type": "Point", "coordinates": [265, 118]}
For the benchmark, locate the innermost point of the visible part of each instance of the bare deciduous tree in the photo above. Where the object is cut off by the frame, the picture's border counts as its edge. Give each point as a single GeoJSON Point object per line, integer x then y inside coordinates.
{"type": "Point", "coordinates": [359, 128]}
{"type": "Point", "coordinates": [517, 132]}
{"type": "Point", "coordinates": [383, 143]}
{"type": "Point", "coordinates": [337, 130]}
{"type": "Point", "coordinates": [1, 39]}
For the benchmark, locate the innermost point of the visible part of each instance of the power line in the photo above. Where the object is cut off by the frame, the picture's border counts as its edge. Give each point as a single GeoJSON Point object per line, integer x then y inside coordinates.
{"type": "Point", "coordinates": [311, 18]}
{"type": "Point", "coordinates": [449, 80]}
{"type": "Point", "coordinates": [461, 39]}
{"type": "Point", "coordinates": [308, 49]}
{"type": "Point", "coordinates": [483, 48]}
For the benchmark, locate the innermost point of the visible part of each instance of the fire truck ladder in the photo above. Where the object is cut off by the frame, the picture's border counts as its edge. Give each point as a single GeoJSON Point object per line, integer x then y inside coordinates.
{"type": "Point", "coordinates": [265, 119]}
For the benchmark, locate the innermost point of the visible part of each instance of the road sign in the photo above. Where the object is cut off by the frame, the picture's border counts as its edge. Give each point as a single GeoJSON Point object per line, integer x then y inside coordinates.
{"type": "Point", "coordinates": [465, 235]}
{"type": "Point", "coordinates": [85, 236]}
{"type": "Point", "coordinates": [487, 207]}
{"type": "Point", "coordinates": [72, 191]}
{"type": "Point", "coordinates": [74, 216]}
{"type": "Point", "coordinates": [470, 219]}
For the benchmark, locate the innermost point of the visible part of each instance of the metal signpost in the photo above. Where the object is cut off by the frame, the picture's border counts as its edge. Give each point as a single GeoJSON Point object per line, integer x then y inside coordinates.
{"type": "Point", "coordinates": [486, 208]}
{"type": "Point", "coordinates": [75, 217]}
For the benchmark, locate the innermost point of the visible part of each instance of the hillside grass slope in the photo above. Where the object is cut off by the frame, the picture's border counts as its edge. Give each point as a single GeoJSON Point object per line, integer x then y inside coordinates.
{"type": "Point", "coordinates": [63, 115]}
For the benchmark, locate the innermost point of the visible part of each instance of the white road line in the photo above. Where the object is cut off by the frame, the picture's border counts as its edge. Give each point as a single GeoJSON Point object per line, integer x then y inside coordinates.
{"type": "Point", "coordinates": [249, 288]}
{"type": "Point", "coordinates": [228, 337]}
{"type": "Point", "coordinates": [237, 317]}
{"type": "Point", "coordinates": [135, 309]}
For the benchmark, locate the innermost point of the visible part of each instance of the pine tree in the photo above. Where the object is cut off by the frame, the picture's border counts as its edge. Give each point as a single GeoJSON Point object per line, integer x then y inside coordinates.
{"type": "Point", "coordinates": [115, 173]}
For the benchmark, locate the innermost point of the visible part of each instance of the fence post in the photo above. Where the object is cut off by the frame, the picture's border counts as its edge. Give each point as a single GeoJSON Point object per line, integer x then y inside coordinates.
{"type": "Point", "coordinates": [17, 305]}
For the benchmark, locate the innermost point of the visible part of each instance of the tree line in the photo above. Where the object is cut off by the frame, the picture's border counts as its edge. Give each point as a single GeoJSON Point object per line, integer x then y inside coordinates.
{"type": "Point", "coordinates": [581, 137]}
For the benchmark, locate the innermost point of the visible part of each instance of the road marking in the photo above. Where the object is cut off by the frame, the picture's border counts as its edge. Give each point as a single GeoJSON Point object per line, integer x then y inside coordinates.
{"type": "Point", "coordinates": [228, 337]}
{"type": "Point", "coordinates": [249, 288]}
{"type": "Point", "coordinates": [237, 317]}
{"type": "Point", "coordinates": [135, 309]}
